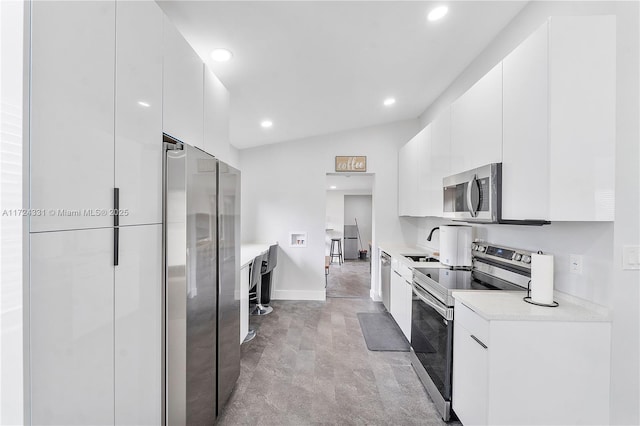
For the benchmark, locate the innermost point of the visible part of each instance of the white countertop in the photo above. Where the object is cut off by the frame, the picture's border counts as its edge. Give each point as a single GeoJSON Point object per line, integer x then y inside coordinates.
{"type": "Point", "coordinates": [509, 306]}
{"type": "Point", "coordinates": [398, 251]}
{"type": "Point", "coordinates": [249, 251]}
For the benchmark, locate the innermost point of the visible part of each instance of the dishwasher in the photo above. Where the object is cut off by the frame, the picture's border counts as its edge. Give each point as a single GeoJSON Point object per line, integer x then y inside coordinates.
{"type": "Point", "coordinates": [385, 275]}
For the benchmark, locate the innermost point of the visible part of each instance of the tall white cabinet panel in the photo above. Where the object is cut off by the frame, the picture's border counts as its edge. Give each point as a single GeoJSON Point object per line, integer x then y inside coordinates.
{"type": "Point", "coordinates": [476, 129]}
{"type": "Point", "coordinates": [407, 178]}
{"type": "Point", "coordinates": [138, 326]}
{"type": "Point", "coordinates": [72, 327]}
{"type": "Point", "coordinates": [138, 119]}
{"type": "Point", "coordinates": [182, 89]}
{"type": "Point", "coordinates": [525, 148]}
{"type": "Point", "coordinates": [437, 163]}
{"type": "Point", "coordinates": [582, 90]}
{"type": "Point", "coordinates": [421, 173]}
{"type": "Point", "coordinates": [72, 118]}
{"type": "Point", "coordinates": [216, 116]}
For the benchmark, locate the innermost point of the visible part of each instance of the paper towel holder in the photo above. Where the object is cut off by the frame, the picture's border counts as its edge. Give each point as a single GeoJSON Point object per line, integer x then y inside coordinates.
{"type": "Point", "coordinates": [527, 299]}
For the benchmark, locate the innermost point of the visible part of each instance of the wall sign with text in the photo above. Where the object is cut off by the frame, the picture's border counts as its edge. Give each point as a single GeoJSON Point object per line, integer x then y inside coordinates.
{"type": "Point", "coordinates": [351, 164]}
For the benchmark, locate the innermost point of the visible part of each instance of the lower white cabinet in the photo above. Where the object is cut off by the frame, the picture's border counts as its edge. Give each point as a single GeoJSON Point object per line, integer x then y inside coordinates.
{"type": "Point", "coordinates": [508, 372]}
{"type": "Point", "coordinates": [400, 297]}
{"type": "Point", "coordinates": [71, 327]}
{"type": "Point", "coordinates": [95, 328]}
{"type": "Point", "coordinates": [138, 326]}
{"type": "Point", "coordinates": [244, 302]}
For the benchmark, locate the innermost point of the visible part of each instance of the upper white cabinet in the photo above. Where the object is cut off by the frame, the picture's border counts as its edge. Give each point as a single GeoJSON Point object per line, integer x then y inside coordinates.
{"type": "Point", "coordinates": [476, 124]}
{"type": "Point", "coordinates": [216, 116]}
{"type": "Point", "coordinates": [582, 117]}
{"type": "Point", "coordinates": [72, 113]}
{"type": "Point", "coordinates": [437, 165]}
{"type": "Point", "coordinates": [183, 85]}
{"type": "Point", "coordinates": [138, 119]}
{"type": "Point", "coordinates": [525, 148]}
{"type": "Point", "coordinates": [559, 122]}
{"type": "Point", "coordinates": [408, 178]}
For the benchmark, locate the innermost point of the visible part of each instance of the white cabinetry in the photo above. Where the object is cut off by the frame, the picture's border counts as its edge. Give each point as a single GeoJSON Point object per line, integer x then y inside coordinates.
{"type": "Point", "coordinates": [138, 118]}
{"type": "Point", "coordinates": [408, 178]}
{"type": "Point", "coordinates": [71, 327]}
{"type": "Point", "coordinates": [436, 163]}
{"type": "Point", "coordinates": [72, 118]}
{"type": "Point", "coordinates": [476, 124]}
{"type": "Point", "coordinates": [529, 372]}
{"type": "Point", "coordinates": [138, 326]}
{"type": "Point", "coordinates": [96, 102]}
{"type": "Point", "coordinates": [183, 83]}
{"type": "Point", "coordinates": [400, 296]}
{"type": "Point", "coordinates": [216, 117]}
{"type": "Point", "coordinates": [559, 122]}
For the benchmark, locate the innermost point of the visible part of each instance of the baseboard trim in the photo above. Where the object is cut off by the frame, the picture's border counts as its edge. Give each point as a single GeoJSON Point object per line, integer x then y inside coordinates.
{"type": "Point", "coordinates": [374, 296]}
{"type": "Point", "coordinates": [299, 295]}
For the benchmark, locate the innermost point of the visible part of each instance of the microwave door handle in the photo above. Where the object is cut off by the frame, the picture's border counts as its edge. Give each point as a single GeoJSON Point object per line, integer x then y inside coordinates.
{"type": "Point", "coordinates": [472, 208]}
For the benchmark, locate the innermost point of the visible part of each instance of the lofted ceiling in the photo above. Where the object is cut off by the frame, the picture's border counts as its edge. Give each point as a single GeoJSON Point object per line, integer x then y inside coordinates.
{"type": "Point", "coordinates": [319, 67]}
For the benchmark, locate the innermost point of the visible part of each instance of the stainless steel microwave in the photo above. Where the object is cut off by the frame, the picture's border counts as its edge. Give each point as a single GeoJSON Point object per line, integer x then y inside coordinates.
{"type": "Point", "coordinates": [474, 195]}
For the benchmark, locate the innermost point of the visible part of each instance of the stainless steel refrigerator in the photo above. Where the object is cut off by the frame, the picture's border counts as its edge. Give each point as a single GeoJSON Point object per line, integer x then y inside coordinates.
{"type": "Point", "coordinates": [202, 304]}
{"type": "Point", "coordinates": [350, 242]}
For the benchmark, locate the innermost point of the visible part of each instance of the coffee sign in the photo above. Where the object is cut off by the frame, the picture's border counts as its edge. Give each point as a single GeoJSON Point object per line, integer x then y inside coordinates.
{"type": "Point", "coordinates": [351, 164]}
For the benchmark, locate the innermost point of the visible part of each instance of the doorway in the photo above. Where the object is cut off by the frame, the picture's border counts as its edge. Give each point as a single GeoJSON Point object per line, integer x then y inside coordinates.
{"type": "Point", "coordinates": [349, 223]}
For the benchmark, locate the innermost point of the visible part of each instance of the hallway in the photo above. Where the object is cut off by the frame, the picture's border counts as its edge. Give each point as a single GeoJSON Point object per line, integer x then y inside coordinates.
{"type": "Point", "coordinates": [309, 365]}
{"type": "Point", "coordinates": [351, 279]}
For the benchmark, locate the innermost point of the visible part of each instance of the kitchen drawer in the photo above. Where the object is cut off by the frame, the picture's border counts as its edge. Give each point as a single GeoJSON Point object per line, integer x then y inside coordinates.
{"type": "Point", "coordinates": [405, 271]}
{"type": "Point", "coordinates": [474, 323]}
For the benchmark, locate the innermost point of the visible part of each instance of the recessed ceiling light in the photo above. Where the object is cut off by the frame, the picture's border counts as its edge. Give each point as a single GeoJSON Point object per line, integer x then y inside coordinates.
{"type": "Point", "coordinates": [332, 187]}
{"type": "Point", "coordinates": [437, 13]}
{"type": "Point", "coordinates": [144, 104]}
{"type": "Point", "coordinates": [221, 55]}
{"type": "Point", "coordinates": [266, 124]}
{"type": "Point", "coordinates": [389, 101]}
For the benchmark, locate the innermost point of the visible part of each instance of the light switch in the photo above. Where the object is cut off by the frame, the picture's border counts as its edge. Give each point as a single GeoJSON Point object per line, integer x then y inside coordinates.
{"type": "Point", "coordinates": [631, 257]}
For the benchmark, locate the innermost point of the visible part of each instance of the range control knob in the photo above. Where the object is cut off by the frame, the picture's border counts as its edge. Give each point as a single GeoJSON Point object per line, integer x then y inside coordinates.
{"type": "Point", "coordinates": [474, 247]}
{"type": "Point", "coordinates": [526, 259]}
{"type": "Point", "coordinates": [482, 248]}
{"type": "Point", "coordinates": [517, 257]}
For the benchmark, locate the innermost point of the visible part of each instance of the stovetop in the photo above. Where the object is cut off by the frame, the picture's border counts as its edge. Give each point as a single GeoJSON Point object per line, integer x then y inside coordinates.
{"type": "Point", "coordinates": [494, 268]}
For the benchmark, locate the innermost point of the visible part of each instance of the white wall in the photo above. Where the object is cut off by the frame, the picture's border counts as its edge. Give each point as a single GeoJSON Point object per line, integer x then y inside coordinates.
{"type": "Point", "coordinates": [334, 218]}
{"type": "Point", "coordinates": [11, 230]}
{"type": "Point", "coordinates": [601, 244]}
{"type": "Point", "coordinates": [283, 189]}
{"type": "Point", "coordinates": [359, 207]}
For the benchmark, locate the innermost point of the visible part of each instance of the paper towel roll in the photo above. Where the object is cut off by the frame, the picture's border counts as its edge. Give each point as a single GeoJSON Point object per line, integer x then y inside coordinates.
{"type": "Point", "coordinates": [542, 278]}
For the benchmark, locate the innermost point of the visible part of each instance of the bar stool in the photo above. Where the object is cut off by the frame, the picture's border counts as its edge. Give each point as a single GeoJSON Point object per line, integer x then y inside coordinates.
{"type": "Point", "coordinates": [268, 264]}
{"type": "Point", "coordinates": [256, 280]}
{"type": "Point", "coordinates": [336, 250]}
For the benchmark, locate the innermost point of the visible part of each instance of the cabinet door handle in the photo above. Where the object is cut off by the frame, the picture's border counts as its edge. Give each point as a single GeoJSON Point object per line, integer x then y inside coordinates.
{"type": "Point", "coordinates": [397, 273]}
{"type": "Point", "coordinates": [479, 342]}
{"type": "Point", "coordinates": [116, 206]}
{"type": "Point", "coordinates": [116, 245]}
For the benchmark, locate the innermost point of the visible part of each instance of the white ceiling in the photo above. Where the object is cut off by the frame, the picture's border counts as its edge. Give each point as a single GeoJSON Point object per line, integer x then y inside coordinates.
{"type": "Point", "coordinates": [318, 67]}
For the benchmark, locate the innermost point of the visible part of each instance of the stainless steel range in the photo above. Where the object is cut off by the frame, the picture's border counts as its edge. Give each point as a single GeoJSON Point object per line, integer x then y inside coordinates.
{"type": "Point", "coordinates": [494, 268]}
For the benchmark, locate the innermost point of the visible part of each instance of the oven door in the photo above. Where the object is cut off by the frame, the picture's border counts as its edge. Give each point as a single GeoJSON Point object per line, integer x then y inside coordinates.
{"type": "Point", "coordinates": [473, 196]}
{"type": "Point", "coordinates": [432, 347]}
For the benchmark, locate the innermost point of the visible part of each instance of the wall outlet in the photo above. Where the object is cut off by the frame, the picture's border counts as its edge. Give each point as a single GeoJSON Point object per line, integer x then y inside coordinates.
{"type": "Point", "coordinates": [575, 264]}
{"type": "Point", "coordinates": [631, 257]}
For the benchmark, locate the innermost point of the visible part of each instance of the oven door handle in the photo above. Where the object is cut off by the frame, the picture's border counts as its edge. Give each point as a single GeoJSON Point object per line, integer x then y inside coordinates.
{"type": "Point", "coordinates": [431, 301]}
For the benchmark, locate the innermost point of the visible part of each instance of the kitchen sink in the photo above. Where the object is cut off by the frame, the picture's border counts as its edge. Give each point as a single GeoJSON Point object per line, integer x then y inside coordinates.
{"type": "Point", "coordinates": [420, 258]}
